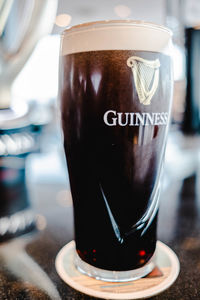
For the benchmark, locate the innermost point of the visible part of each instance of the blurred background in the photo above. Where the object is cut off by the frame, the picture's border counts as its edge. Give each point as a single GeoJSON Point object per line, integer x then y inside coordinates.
{"type": "Point", "coordinates": [31, 153]}
{"type": "Point", "coordinates": [34, 184]}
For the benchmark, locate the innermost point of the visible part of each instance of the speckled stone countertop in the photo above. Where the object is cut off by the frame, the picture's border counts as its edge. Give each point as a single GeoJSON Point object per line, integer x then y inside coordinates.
{"type": "Point", "coordinates": [27, 264]}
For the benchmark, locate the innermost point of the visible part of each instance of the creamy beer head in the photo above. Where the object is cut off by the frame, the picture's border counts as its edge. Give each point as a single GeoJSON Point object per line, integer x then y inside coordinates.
{"type": "Point", "coordinates": [116, 35]}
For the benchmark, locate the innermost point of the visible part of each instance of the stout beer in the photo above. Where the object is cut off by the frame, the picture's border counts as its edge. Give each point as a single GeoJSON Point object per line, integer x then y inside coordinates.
{"type": "Point", "coordinates": [116, 88]}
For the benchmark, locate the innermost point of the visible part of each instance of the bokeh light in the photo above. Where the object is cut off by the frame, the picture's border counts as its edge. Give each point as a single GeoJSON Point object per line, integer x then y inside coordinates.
{"type": "Point", "coordinates": [63, 20]}
{"type": "Point", "coordinates": [122, 11]}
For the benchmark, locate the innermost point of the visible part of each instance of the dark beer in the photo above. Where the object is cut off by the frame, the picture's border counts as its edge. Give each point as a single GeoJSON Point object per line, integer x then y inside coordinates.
{"type": "Point", "coordinates": [114, 144]}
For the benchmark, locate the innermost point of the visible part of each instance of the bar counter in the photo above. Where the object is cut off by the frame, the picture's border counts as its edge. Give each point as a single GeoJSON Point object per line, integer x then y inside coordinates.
{"type": "Point", "coordinates": [27, 269]}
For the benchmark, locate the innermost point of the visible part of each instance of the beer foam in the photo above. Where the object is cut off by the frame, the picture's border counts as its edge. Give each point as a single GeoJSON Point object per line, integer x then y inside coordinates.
{"type": "Point", "coordinates": [116, 35]}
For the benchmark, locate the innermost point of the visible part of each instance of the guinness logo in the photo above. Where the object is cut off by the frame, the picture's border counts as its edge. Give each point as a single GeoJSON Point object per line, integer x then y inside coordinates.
{"type": "Point", "coordinates": [146, 77]}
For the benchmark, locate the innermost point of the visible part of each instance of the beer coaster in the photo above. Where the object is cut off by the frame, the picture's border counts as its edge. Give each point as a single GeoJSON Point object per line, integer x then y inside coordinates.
{"type": "Point", "coordinates": [161, 278]}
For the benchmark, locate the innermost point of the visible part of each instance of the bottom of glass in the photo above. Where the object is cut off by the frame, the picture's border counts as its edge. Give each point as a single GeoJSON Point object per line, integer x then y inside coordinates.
{"type": "Point", "coordinates": [114, 276]}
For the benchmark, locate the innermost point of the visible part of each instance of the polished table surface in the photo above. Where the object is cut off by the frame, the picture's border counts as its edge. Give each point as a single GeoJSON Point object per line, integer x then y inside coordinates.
{"type": "Point", "coordinates": [27, 268]}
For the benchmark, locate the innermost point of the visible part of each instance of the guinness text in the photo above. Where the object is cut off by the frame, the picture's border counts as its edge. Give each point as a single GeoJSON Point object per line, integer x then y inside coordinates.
{"type": "Point", "coordinates": [113, 118]}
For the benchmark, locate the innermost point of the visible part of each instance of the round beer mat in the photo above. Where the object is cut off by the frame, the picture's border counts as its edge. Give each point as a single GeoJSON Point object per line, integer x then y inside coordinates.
{"type": "Point", "coordinates": [161, 278]}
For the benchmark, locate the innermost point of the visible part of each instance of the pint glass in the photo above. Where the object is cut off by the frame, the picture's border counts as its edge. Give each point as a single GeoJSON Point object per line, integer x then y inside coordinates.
{"type": "Point", "coordinates": [116, 90]}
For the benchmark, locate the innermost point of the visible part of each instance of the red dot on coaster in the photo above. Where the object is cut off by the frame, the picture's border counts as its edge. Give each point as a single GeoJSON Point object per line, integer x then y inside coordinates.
{"type": "Point", "coordinates": [94, 251]}
{"type": "Point", "coordinates": [142, 253]}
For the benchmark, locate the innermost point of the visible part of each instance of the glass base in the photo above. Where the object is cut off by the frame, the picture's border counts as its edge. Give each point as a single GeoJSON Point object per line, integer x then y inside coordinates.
{"type": "Point", "coordinates": [113, 276]}
{"type": "Point", "coordinates": [166, 261]}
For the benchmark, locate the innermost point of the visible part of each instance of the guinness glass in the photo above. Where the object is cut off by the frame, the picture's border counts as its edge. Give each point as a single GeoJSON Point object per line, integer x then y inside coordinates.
{"type": "Point", "coordinates": [116, 90]}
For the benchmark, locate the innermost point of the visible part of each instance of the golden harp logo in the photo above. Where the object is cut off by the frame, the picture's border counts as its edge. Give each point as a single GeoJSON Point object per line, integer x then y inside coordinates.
{"type": "Point", "coordinates": [146, 77]}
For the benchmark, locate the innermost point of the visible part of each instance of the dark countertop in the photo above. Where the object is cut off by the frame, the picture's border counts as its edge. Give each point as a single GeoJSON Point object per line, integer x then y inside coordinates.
{"type": "Point", "coordinates": [27, 269]}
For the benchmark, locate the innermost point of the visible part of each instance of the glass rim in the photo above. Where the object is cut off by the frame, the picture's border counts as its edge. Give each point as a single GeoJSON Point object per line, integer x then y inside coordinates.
{"type": "Point", "coordinates": [104, 23]}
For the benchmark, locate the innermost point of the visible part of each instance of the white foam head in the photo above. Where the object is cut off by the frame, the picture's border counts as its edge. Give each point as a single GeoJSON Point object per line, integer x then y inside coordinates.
{"type": "Point", "coordinates": [116, 35]}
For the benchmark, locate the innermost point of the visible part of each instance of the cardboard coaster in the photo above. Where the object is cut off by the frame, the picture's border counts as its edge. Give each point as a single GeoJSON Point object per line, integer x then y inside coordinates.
{"type": "Point", "coordinates": [161, 278]}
